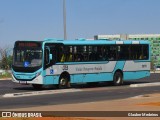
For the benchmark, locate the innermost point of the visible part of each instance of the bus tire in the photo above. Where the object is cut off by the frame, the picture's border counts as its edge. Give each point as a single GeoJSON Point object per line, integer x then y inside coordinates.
{"type": "Point", "coordinates": [37, 86]}
{"type": "Point", "coordinates": [118, 79]}
{"type": "Point", "coordinates": [63, 83]}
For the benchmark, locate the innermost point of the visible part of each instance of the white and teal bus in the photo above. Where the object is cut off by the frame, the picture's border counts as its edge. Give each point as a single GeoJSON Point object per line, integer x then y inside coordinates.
{"type": "Point", "coordinates": [63, 62]}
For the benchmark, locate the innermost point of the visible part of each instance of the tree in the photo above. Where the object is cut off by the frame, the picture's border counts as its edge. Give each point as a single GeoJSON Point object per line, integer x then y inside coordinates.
{"type": "Point", "coordinates": [6, 58]}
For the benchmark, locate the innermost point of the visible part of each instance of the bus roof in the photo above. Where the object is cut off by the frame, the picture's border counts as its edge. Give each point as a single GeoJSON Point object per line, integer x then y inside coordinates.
{"type": "Point", "coordinates": [95, 42]}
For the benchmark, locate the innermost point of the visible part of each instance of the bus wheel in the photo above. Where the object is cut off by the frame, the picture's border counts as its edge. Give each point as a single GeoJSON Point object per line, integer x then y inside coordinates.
{"type": "Point", "coordinates": [118, 79]}
{"type": "Point", "coordinates": [63, 83]}
{"type": "Point", "coordinates": [37, 86]}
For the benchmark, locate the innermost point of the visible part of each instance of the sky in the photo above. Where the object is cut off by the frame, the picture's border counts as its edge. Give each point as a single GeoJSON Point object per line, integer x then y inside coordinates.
{"type": "Point", "coordinates": [40, 19]}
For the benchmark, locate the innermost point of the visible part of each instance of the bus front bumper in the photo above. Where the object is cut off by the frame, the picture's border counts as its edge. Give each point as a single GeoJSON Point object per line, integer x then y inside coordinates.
{"type": "Point", "coordinates": [36, 80]}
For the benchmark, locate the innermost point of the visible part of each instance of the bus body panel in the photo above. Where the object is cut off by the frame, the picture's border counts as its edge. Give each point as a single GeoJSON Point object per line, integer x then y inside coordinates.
{"type": "Point", "coordinates": [100, 72]}
{"type": "Point", "coordinates": [136, 66]}
{"type": "Point", "coordinates": [136, 75]}
{"type": "Point", "coordinates": [119, 65]}
{"type": "Point", "coordinates": [51, 80]}
{"type": "Point", "coordinates": [87, 73]}
{"type": "Point", "coordinates": [138, 70]}
{"type": "Point", "coordinates": [81, 68]}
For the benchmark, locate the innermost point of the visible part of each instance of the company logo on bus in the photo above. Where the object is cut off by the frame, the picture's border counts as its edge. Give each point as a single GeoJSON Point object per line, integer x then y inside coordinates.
{"type": "Point", "coordinates": [26, 64]}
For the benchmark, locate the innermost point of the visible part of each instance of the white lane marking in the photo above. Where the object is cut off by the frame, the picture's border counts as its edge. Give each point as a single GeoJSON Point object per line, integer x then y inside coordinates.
{"type": "Point", "coordinates": [145, 84]}
{"type": "Point", "coordinates": [40, 93]}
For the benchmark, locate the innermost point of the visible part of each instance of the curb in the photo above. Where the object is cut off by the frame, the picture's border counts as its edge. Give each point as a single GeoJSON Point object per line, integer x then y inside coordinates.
{"type": "Point", "coordinates": [155, 72]}
{"type": "Point", "coordinates": [22, 94]}
{"type": "Point", "coordinates": [145, 84]}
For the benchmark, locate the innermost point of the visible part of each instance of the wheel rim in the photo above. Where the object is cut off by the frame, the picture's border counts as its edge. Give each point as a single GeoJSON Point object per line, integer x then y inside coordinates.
{"type": "Point", "coordinates": [118, 79]}
{"type": "Point", "coordinates": [63, 82]}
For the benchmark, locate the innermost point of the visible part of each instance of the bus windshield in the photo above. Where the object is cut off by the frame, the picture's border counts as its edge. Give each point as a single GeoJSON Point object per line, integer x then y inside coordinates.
{"type": "Point", "coordinates": [27, 57]}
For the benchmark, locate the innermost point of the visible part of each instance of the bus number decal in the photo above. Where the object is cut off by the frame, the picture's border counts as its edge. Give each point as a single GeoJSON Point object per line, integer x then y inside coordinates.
{"type": "Point", "coordinates": [65, 67]}
{"type": "Point", "coordinates": [144, 66]}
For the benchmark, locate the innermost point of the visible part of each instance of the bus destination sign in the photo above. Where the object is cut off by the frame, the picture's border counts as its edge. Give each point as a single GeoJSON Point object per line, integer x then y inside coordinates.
{"type": "Point", "coordinates": [27, 44]}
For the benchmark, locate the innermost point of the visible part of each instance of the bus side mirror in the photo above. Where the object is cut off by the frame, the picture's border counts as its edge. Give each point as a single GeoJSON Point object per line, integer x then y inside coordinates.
{"type": "Point", "coordinates": [50, 56]}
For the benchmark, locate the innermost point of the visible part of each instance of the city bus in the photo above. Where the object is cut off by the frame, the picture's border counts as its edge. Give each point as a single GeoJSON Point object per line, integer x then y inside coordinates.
{"type": "Point", "coordinates": [64, 62]}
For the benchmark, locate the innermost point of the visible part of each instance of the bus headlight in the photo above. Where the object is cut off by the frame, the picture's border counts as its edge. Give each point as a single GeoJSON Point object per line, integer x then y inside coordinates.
{"type": "Point", "coordinates": [38, 74]}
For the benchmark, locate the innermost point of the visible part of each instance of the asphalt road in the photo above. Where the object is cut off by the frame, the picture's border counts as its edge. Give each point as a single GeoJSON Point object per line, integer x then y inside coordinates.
{"type": "Point", "coordinates": [87, 94]}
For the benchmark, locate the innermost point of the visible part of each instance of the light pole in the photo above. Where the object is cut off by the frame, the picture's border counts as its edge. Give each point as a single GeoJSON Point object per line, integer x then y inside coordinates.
{"type": "Point", "coordinates": [64, 19]}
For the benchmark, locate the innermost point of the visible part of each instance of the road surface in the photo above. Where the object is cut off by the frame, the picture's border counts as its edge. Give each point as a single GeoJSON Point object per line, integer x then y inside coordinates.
{"type": "Point", "coordinates": [77, 94]}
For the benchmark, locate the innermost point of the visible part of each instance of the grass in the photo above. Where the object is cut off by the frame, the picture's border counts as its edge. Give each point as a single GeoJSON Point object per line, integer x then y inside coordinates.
{"type": "Point", "coordinates": [5, 75]}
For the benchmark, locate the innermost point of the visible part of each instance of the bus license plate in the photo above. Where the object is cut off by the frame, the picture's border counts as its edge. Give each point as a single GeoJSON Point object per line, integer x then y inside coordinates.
{"type": "Point", "coordinates": [23, 82]}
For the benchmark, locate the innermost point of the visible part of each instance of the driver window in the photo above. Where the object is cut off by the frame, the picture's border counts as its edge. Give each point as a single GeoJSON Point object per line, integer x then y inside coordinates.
{"type": "Point", "coordinates": [46, 56]}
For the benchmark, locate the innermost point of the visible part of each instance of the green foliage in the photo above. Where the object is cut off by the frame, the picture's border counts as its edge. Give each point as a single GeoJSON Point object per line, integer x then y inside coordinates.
{"type": "Point", "coordinates": [6, 61]}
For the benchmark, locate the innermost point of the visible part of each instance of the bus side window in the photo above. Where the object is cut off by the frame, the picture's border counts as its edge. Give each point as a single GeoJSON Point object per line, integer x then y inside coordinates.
{"type": "Point", "coordinates": [76, 58]}
{"type": "Point", "coordinates": [69, 57]}
{"type": "Point", "coordinates": [112, 53]}
{"type": "Point", "coordinates": [63, 53]}
{"type": "Point", "coordinates": [63, 57]}
{"type": "Point", "coordinates": [102, 53]}
{"type": "Point", "coordinates": [69, 54]}
{"type": "Point", "coordinates": [141, 56]}
{"type": "Point", "coordinates": [145, 52]}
